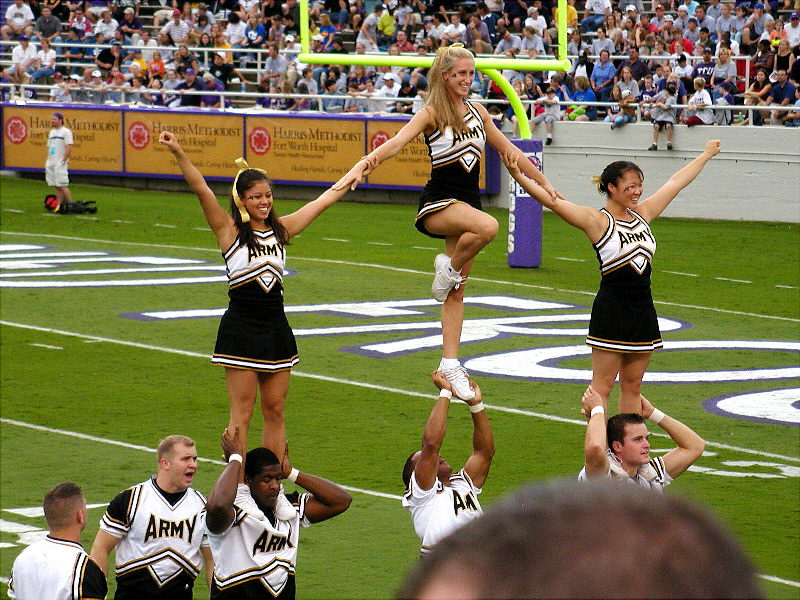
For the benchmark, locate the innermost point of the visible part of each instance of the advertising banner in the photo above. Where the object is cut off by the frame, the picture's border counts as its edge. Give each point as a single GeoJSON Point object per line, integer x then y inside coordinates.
{"type": "Point", "coordinates": [297, 150]}
{"type": "Point", "coordinates": [212, 141]}
{"type": "Point", "coordinates": [97, 145]}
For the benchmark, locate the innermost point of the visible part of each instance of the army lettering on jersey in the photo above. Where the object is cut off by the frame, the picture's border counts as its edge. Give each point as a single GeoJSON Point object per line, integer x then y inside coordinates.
{"type": "Point", "coordinates": [163, 528]}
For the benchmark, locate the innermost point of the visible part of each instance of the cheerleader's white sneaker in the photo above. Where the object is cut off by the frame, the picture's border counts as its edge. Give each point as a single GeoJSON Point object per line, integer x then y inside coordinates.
{"type": "Point", "coordinates": [458, 379]}
{"type": "Point", "coordinates": [446, 278]}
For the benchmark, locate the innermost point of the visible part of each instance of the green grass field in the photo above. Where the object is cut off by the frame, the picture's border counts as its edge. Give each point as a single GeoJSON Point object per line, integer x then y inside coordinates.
{"type": "Point", "coordinates": [86, 389]}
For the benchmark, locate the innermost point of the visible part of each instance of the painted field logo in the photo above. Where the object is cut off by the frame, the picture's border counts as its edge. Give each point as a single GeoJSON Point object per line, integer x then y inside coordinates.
{"type": "Point", "coordinates": [139, 135]}
{"type": "Point", "coordinates": [16, 130]}
{"type": "Point", "coordinates": [259, 140]}
{"type": "Point", "coordinates": [378, 139]}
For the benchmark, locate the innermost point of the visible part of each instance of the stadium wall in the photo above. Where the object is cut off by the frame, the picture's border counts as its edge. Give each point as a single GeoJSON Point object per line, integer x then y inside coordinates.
{"type": "Point", "coordinates": [755, 178]}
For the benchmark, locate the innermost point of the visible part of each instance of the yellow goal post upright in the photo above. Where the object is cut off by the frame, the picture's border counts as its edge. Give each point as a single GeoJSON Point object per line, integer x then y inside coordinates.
{"type": "Point", "coordinates": [488, 65]}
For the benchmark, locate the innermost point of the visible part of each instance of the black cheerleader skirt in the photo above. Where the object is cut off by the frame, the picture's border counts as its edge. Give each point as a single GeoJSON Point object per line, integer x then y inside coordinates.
{"type": "Point", "coordinates": [253, 340]}
{"type": "Point", "coordinates": [624, 320]}
{"type": "Point", "coordinates": [432, 201]}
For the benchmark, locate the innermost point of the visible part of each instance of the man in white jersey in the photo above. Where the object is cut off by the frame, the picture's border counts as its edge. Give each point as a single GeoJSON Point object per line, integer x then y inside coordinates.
{"type": "Point", "coordinates": [438, 500]}
{"type": "Point", "coordinates": [256, 558]}
{"type": "Point", "coordinates": [59, 149]}
{"type": "Point", "coordinates": [57, 567]}
{"type": "Point", "coordinates": [620, 448]}
{"type": "Point", "coordinates": [157, 530]}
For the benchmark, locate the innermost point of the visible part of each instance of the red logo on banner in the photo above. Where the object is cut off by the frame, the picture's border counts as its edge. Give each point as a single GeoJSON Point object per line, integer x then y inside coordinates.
{"type": "Point", "coordinates": [259, 140]}
{"type": "Point", "coordinates": [16, 130]}
{"type": "Point", "coordinates": [139, 135]}
{"type": "Point", "coordinates": [378, 139]}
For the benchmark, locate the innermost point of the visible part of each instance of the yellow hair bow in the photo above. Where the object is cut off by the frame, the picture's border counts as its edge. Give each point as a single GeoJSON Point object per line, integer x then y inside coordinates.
{"type": "Point", "coordinates": [243, 166]}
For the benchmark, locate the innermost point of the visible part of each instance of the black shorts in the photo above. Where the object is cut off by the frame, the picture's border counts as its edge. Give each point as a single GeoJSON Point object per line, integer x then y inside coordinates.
{"type": "Point", "coordinates": [263, 341]}
{"type": "Point", "coordinates": [431, 202]}
{"type": "Point", "coordinates": [624, 320]}
{"type": "Point", "coordinates": [663, 124]}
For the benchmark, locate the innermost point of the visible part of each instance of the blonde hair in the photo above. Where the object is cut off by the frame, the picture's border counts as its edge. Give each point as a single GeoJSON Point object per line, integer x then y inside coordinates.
{"type": "Point", "coordinates": [445, 112]}
{"type": "Point", "coordinates": [166, 445]}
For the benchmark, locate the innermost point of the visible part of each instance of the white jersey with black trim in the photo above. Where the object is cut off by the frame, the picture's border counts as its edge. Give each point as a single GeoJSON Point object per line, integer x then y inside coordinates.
{"type": "Point", "coordinates": [264, 265]}
{"type": "Point", "coordinates": [439, 511]}
{"type": "Point", "coordinates": [157, 538]}
{"type": "Point", "coordinates": [652, 476]}
{"type": "Point", "coordinates": [456, 156]}
{"type": "Point", "coordinates": [252, 549]}
{"type": "Point", "coordinates": [626, 243]}
{"type": "Point", "coordinates": [55, 569]}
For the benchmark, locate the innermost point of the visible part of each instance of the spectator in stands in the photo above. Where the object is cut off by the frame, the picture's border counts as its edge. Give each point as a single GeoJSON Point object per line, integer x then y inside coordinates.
{"type": "Point", "coordinates": [572, 19]}
{"type": "Point", "coordinates": [755, 25]}
{"type": "Point", "coordinates": [60, 92]}
{"type": "Point", "coordinates": [724, 22]}
{"type": "Point", "coordinates": [601, 42]}
{"type": "Point", "coordinates": [455, 32]}
{"type": "Point", "coordinates": [156, 67]}
{"type": "Point", "coordinates": [130, 26]}
{"type": "Point", "coordinates": [147, 44]}
{"type": "Point", "coordinates": [174, 33]}
{"type": "Point", "coordinates": [45, 62]}
{"type": "Point", "coordinates": [402, 43]}
{"type": "Point", "coordinates": [514, 12]}
{"type": "Point", "coordinates": [538, 22]}
{"type": "Point", "coordinates": [706, 41]}
{"type": "Point", "coordinates": [781, 94]}
{"type": "Point", "coordinates": [225, 71]}
{"type": "Point", "coordinates": [551, 114]}
{"type": "Point", "coordinates": [121, 7]}
{"type": "Point", "coordinates": [583, 66]}
{"type": "Point", "coordinates": [792, 29]}
{"type": "Point", "coordinates": [275, 67]}
{"type": "Point", "coordinates": [764, 58]}
{"type": "Point", "coordinates": [104, 28]}
{"type": "Point", "coordinates": [627, 82]}
{"type": "Point", "coordinates": [594, 15]}
{"type": "Point", "coordinates": [332, 104]}
{"type": "Point", "coordinates": [254, 37]}
{"type": "Point", "coordinates": [637, 66]}
{"type": "Point", "coordinates": [576, 45]}
{"type": "Point", "coordinates": [368, 33]}
{"type": "Point", "coordinates": [356, 102]}
{"type": "Point", "coordinates": [756, 95]}
{"type": "Point", "coordinates": [583, 93]}
{"type": "Point", "coordinates": [115, 91]}
{"type": "Point", "coordinates": [23, 59]}
{"type": "Point", "coordinates": [184, 59]}
{"type": "Point", "coordinates": [190, 83]}
{"type": "Point", "coordinates": [75, 52]}
{"type": "Point", "coordinates": [134, 60]}
{"type": "Point", "coordinates": [96, 88]}
{"type": "Point", "coordinates": [622, 112]}
{"type": "Point", "coordinates": [724, 71]}
{"type": "Point", "coordinates": [110, 59]}
{"type": "Point", "coordinates": [386, 29]}
{"type": "Point", "coordinates": [699, 111]}
{"type": "Point", "coordinates": [389, 90]}
{"type": "Point", "coordinates": [532, 42]}
{"type": "Point", "coordinates": [602, 77]}
{"type": "Point", "coordinates": [508, 41]}
{"type": "Point", "coordinates": [212, 87]}
{"type": "Point", "coordinates": [47, 27]}
{"type": "Point", "coordinates": [169, 84]}
{"type": "Point", "coordinates": [664, 113]}
{"type": "Point", "coordinates": [80, 22]}
{"type": "Point", "coordinates": [704, 20]}
{"type": "Point", "coordinates": [784, 57]}
{"type": "Point", "coordinates": [154, 96]}
{"type": "Point", "coordinates": [705, 68]}
{"type": "Point", "coordinates": [19, 21]}
{"type": "Point", "coordinates": [792, 118]}
{"type": "Point", "coordinates": [409, 92]}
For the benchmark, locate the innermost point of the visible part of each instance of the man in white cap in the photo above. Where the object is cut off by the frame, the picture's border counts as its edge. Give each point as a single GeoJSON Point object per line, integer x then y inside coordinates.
{"type": "Point", "coordinates": [390, 89]}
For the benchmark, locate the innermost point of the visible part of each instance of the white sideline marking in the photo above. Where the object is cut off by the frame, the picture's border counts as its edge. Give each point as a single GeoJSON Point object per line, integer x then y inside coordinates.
{"type": "Point", "coordinates": [48, 346]}
{"type": "Point", "coordinates": [515, 411]}
{"type": "Point", "coordinates": [569, 259]}
{"type": "Point", "coordinates": [395, 269]}
{"type": "Point", "coordinates": [779, 580]}
{"type": "Point", "coordinates": [733, 280]}
{"type": "Point", "coordinates": [336, 240]}
{"type": "Point", "coordinates": [85, 218]}
{"type": "Point", "coordinates": [679, 273]}
{"type": "Point", "coordinates": [788, 287]}
{"type": "Point", "coordinates": [204, 229]}
{"type": "Point", "coordinates": [219, 462]}
{"type": "Point", "coordinates": [122, 221]}
{"type": "Point", "coordinates": [14, 210]}
{"type": "Point", "coordinates": [379, 244]}
{"type": "Point", "coordinates": [164, 225]}
{"type": "Point", "coordinates": [38, 511]}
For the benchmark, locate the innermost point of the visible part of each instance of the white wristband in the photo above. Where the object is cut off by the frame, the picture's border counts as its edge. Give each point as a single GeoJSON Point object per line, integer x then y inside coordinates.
{"type": "Point", "coordinates": [292, 476]}
{"type": "Point", "coordinates": [476, 408]}
{"type": "Point", "coordinates": [445, 394]}
{"type": "Point", "coordinates": [235, 457]}
{"type": "Point", "coordinates": [597, 410]}
{"type": "Point", "coordinates": [656, 416]}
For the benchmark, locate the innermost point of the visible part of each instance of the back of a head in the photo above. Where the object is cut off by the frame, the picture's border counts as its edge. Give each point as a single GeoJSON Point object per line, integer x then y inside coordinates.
{"type": "Point", "coordinates": [60, 505]}
{"type": "Point", "coordinates": [571, 539]}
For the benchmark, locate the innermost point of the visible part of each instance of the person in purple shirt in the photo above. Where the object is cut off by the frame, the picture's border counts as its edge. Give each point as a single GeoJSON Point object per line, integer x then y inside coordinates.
{"type": "Point", "coordinates": [190, 82]}
{"type": "Point", "coordinates": [213, 87]}
{"type": "Point", "coordinates": [706, 68]}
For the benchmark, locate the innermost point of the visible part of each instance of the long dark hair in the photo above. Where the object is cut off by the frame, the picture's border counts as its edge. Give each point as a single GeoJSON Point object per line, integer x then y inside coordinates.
{"type": "Point", "coordinates": [613, 173]}
{"type": "Point", "coordinates": [247, 238]}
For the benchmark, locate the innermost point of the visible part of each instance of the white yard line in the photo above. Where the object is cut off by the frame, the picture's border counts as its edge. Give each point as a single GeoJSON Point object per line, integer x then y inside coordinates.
{"type": "Point", "coordinates": [372, 386]}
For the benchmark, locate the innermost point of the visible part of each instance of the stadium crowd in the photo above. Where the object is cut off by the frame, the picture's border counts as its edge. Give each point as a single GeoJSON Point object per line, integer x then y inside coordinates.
{"type": "Point", "coordinates": [98, 52]}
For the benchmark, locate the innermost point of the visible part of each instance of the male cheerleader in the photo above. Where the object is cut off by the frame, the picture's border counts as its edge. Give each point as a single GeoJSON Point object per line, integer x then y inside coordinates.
{"type": "Point", "coordinates": [620, 448]}
{"type": "Point", "coordinates": [438, 500]}
{"type": "Point", "coordinates": [255, 558]}
{"type": "Point", "coordinates": [57, 567]}
{"type": "Point", "coordinates": [157, 529]}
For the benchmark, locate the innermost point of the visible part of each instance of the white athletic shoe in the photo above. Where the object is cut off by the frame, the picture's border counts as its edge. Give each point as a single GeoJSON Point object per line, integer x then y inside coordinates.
{"type": "Point", "coordinates": [443, 280]}
{"type": "Point", "coordinates": [244, 500]}
{"type": "Point", "coordinates": [458, 380]}
{"type": "Point", "coordinates": [284, 511]}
